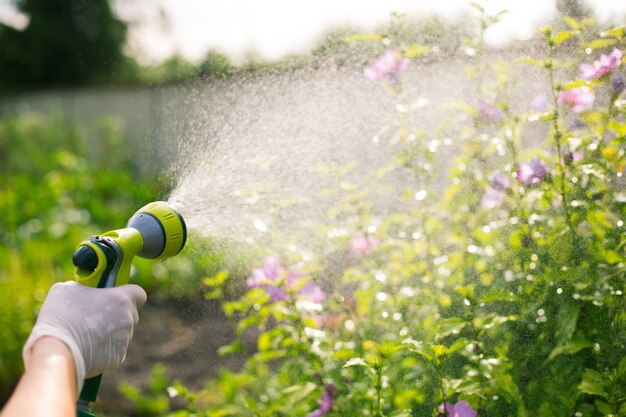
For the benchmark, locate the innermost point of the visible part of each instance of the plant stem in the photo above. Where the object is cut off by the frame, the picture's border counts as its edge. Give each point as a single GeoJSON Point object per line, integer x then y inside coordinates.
{"type": "Point", "coordinates": [444, 400]}
{"type": "Point", "coordinates": [558, 136]}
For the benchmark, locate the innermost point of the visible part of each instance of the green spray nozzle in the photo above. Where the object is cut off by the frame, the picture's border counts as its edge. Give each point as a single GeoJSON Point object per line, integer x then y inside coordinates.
{"type": "Point", "coordinates": [156, 231]}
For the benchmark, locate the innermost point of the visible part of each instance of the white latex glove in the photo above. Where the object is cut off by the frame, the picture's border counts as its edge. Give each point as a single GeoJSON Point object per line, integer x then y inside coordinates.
{"type": "Point", "coordinates": [95, 323]}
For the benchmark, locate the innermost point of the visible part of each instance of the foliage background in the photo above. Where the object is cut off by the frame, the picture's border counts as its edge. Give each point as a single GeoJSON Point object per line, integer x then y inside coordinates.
{"type": "Point", "coordinates": [517, 309]}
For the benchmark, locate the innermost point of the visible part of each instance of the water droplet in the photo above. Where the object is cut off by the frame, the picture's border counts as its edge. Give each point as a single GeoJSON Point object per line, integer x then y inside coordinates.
{"type": "Point", "coordinates": [421, 195]}
{"type": "Point", "coordinates": [260, 225]}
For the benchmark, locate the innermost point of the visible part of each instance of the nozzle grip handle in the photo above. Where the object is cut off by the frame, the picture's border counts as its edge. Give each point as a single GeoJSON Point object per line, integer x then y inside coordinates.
{"type": "Point", "coordinates": [107, 279]}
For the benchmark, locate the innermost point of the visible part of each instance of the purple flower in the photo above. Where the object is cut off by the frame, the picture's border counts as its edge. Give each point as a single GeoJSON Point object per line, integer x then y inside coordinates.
{"type": "Point", "coordinates": [579, 98]}
{"type": "Point", "coordinates": [360, 244]}
{"type": "Point", "coordinates": [269, 278]}
{"type": "Point", "coordinates": [388, 67]}
{"type": "Point", "coordinates": [604, 66]}
{"type": "Point", "coordinates": [618, 85]}
{"type": "Point", "coordinates": [499, 182]}
{"type": "Point", "coordinates": [488, 111]}
{"type": "Point", "coordinates": [326, 402]}
{"type": "Point", "coordinates": [540, 103]}
{"type": "Point", "coordinates": [460, 409]}
{"type": "Point", "coordinates": [495, 192]}
{"type": "Point", "coordinates": [532, 172]}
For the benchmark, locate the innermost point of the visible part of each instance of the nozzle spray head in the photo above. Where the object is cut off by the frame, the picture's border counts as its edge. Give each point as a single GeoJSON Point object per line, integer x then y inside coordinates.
{"type": "Point", "coordinates": [163, 230]}
{"type": "Point", "coordinates": [156, 231]}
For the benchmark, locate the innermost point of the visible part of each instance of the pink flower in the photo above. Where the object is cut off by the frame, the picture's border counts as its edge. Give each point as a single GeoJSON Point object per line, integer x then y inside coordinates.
{"type": "Point", "coordinates": [488, 111]}
{"type": "Point", "coordinates": [326, 402]}
{"type": "Point", "coordinates": [269, 278]}
{"type": "Point", "coordinates": [460, 409]}
{"type": "Point", "coordinates": [491, 198]}
{"type": "Point", "coordinates": [495, 192]}
{"type": "Point", "coordinates": [579, 98]}
{"type": "Point", "coordinates": [604, 66]}
{"type": "Point", "coordinates": [388, 67]}
{"type": "Point", "coordinates": [571, 157]}
{"type": "Point", "coordinates": [360, 244]}
{"type": "Point", "coordinates": [533, 172]}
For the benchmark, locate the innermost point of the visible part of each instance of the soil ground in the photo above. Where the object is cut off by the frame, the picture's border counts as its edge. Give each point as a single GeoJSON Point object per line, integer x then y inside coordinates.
{"type": "Point", "coordinates": [185, 338]}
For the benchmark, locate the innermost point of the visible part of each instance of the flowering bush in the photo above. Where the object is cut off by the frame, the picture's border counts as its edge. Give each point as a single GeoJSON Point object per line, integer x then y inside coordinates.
{"type": "Point", "coordinates": [501, 295]}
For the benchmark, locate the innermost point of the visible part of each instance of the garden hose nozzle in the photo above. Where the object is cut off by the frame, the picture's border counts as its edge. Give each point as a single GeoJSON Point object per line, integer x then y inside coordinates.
{"type": "Point", "coordinates": [156, 231]}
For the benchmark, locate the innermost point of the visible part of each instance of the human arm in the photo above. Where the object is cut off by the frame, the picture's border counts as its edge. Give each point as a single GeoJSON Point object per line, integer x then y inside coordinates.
{"type": "Point", "coordinates": [48, 387]}
{"type": "Point", "coordinates": [95, 325]}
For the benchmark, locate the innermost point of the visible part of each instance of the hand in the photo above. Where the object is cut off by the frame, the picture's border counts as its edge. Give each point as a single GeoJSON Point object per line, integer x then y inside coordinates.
{"type": "Point", "coordinates": [95, 323]}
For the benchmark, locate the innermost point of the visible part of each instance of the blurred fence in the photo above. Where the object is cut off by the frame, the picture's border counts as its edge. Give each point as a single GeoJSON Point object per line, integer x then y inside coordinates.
{"type": "Point", "coordinates": [329, 106]}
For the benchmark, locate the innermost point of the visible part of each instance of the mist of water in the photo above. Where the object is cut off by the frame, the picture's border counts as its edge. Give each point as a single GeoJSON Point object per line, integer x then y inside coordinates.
{"type": "Point", "coordinates": [250, 151]}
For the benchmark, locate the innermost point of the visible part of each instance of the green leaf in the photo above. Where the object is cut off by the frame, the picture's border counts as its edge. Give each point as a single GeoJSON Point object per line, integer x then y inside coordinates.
{"type": "Point", "coordinates": [236, 347]}
{"type": "Point", "coordinates": [364, 37]}
{"type": "Point", "coordinates": [424, 351]}
{"type": "Point", "coordinates": [466, 291]}
{"type": "Point", "coordinates": [593, 383]}
{"type": "Point", "coordinates": [618, 32]}
{"type": "Point", "coordinates": [416, 50]}
{"type": "Point", "coordinates": [575, 84]}
{"type": "Point", "coordinates": [617, 127]}
{"type": "Point", "coordinates": [296, 394]}
{"type": "Point", "coordinates": [621, 369]}
{"type": "Point", "coordinates": [567, 320]}
{"type": "Point", "coordinates": [571, 22]}
{"type": "Point", "coordinates": [400, 413]}
{"type": "Point", "coordinates": [452, 325]}
{"type": "Point", "coordinates": [563, 36]}
{"type": "Point", "coordinates": [570, 348]}
{"type": "Point", "coordinates": [601, 43]}
{"type": "Point", "coordinates": [603, 407]}
{"type": "Point", "coordinates": [458, 344]}
{"type": "Point", "coordinates": [495, 295]}
{"type": "Point", "coordinates": [531, 61]}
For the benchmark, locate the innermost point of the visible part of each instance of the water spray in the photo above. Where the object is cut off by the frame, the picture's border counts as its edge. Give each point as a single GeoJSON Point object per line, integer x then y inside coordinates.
{"type": "Point", "coordinates": [156, 231]}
